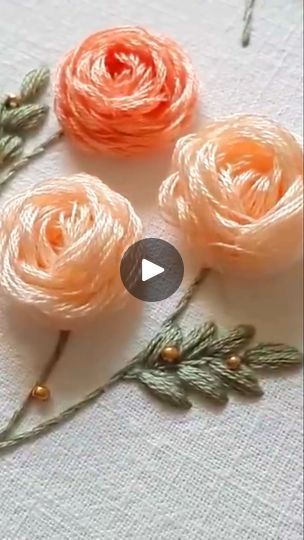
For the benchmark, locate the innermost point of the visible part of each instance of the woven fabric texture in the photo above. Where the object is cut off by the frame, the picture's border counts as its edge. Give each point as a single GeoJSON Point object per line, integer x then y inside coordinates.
{"type": "Point", "coordinates": [128, 467]}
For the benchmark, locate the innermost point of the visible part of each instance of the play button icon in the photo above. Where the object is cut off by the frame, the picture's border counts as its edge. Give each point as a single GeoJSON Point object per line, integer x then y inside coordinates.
{"type": "Point", "coordinates": [151, 270]}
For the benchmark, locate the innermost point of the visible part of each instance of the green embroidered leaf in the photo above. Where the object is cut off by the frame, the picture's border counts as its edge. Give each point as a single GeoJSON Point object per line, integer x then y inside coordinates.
{"type": "Point", "coordinates": [11, 147]}
{"type": "Point", "coordinates": [269, 355]}
{"type": "Point", "coordinates": [199, 339]}
{"type": "Point", "coordinates": [207, 364]}
{"type": "Point", "coordinates": [204, 381]}
{"type": "Point", "coordinates": [243, 379]}
{"type": "Point", "coordinates": [24, 118]}
{"type": "Point", "coordinates": [170, 335]}
{"type": "Point", "coordinates": [165, 386]}
{"type": "Point", "coordinates": [34, 83]}
{"type": "Point", "coordinates": [233, 342]}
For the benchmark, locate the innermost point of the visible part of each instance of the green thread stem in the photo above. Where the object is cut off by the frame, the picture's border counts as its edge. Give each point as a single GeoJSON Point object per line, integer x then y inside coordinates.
{"type": "Point", "coordinates": [20, 413]}
{"type": "Point", "coordinates": [46, 426]}
{"type": "Point", "coordinates": [248, 15]}
{"type": "Point", "coordinates": [68, 413]}
{"type": "Point", "coordinates": [187, 297]}
{"type": "Point", "coordinates": [27, 158]}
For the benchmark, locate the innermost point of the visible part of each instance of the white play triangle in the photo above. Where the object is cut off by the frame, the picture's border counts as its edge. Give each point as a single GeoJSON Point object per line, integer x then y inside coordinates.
{"type": "Point", "coordinates": [150, 269]}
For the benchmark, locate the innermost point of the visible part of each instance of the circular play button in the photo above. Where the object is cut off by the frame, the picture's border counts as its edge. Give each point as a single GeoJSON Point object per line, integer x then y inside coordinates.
{"type": "Point", "coordinates": [151, 270]}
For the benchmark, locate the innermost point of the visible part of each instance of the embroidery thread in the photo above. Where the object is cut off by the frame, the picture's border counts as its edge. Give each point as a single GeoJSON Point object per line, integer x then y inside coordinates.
{"type": "Point", "coordinates": [125, 91]}
{"type": "Point", "coordinates": [248, 15]}
{"type": "Point", "coordinates": [19, 116]}
{"type": "Point", "coordinates": [236, 195]}
{"type": "Point", "coordinates": [172, 366]}
{"type": "Point", "coordinates": [206, 364]}
{"type": "Point", "coordinates": [61, 243]}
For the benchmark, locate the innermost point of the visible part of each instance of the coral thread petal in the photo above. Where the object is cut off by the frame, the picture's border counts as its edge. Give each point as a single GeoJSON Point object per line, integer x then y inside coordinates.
{"type": "Point", "coordinates": [125, 91]}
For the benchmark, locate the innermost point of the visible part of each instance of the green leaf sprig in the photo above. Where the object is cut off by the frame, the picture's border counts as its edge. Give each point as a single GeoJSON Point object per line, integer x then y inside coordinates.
{"type": "Point", "coordinates": [19, 115]}
{"type": "Point", "coordinates": [204, 362]}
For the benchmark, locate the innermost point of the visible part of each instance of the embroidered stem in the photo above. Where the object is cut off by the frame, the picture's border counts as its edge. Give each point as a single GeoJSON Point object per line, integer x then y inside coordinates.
{"type": "Point", "coordinates": [20, 413]}
{"type": "Point", "coordinates": [62, 417]}
{"type": "Point", "coordinates": [248, 14]}
{"type": "Point", "coordinates": [92, 396]}
{"type": "Point", "coordinates": [187, 297]}
{"type": "Point", "coordinates": [25, 160]}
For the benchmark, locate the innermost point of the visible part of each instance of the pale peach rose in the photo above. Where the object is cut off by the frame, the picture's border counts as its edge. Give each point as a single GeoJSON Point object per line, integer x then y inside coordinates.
{"type": "Point", "coordinates": [61, 244]}
{"type": "Point", "coordinates": [236, 191]}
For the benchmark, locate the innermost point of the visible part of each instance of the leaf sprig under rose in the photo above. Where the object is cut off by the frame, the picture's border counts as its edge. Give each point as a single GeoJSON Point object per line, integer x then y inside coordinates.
{"type": "Point", "coordinates": [207, 363]}
{"type": "Point", "coordinates": [19, 115]}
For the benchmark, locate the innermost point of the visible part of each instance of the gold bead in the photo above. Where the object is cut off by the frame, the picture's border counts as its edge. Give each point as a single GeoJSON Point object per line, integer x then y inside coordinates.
{"type": "Point", "coordinates": [41, 393]}
{"type": "Point", "coordinates": [234, 362]}
{"type": "Point", "coordinates": [171, 354]}
{"type": "Point", "coordinates": [12, 101]}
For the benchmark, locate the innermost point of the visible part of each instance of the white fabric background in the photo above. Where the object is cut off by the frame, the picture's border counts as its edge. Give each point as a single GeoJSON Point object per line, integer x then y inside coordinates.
{"type": "Point", "coordinates": [128, 468]}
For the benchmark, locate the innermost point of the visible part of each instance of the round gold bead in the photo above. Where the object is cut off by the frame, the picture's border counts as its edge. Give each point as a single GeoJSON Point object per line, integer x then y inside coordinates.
{"type": "Point", "coordinates": [12, 101]}
{"type": "Point", "coordinates": [234, 362]}
{"type": "Point", "coordinates": [171, 354]}
{"type": "Point", "coordinates": [41, 393]}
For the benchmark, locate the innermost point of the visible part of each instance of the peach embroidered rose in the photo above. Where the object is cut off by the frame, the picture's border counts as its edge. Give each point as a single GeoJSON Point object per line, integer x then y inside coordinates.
{"type": "Point", "coordinates": [61, 244]}
{"type": "Point", "coordinates": [236, 191]}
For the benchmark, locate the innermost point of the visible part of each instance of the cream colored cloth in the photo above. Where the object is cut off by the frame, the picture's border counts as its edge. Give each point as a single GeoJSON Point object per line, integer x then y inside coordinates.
{"type": "Point", "coordinates": [128, 468]}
